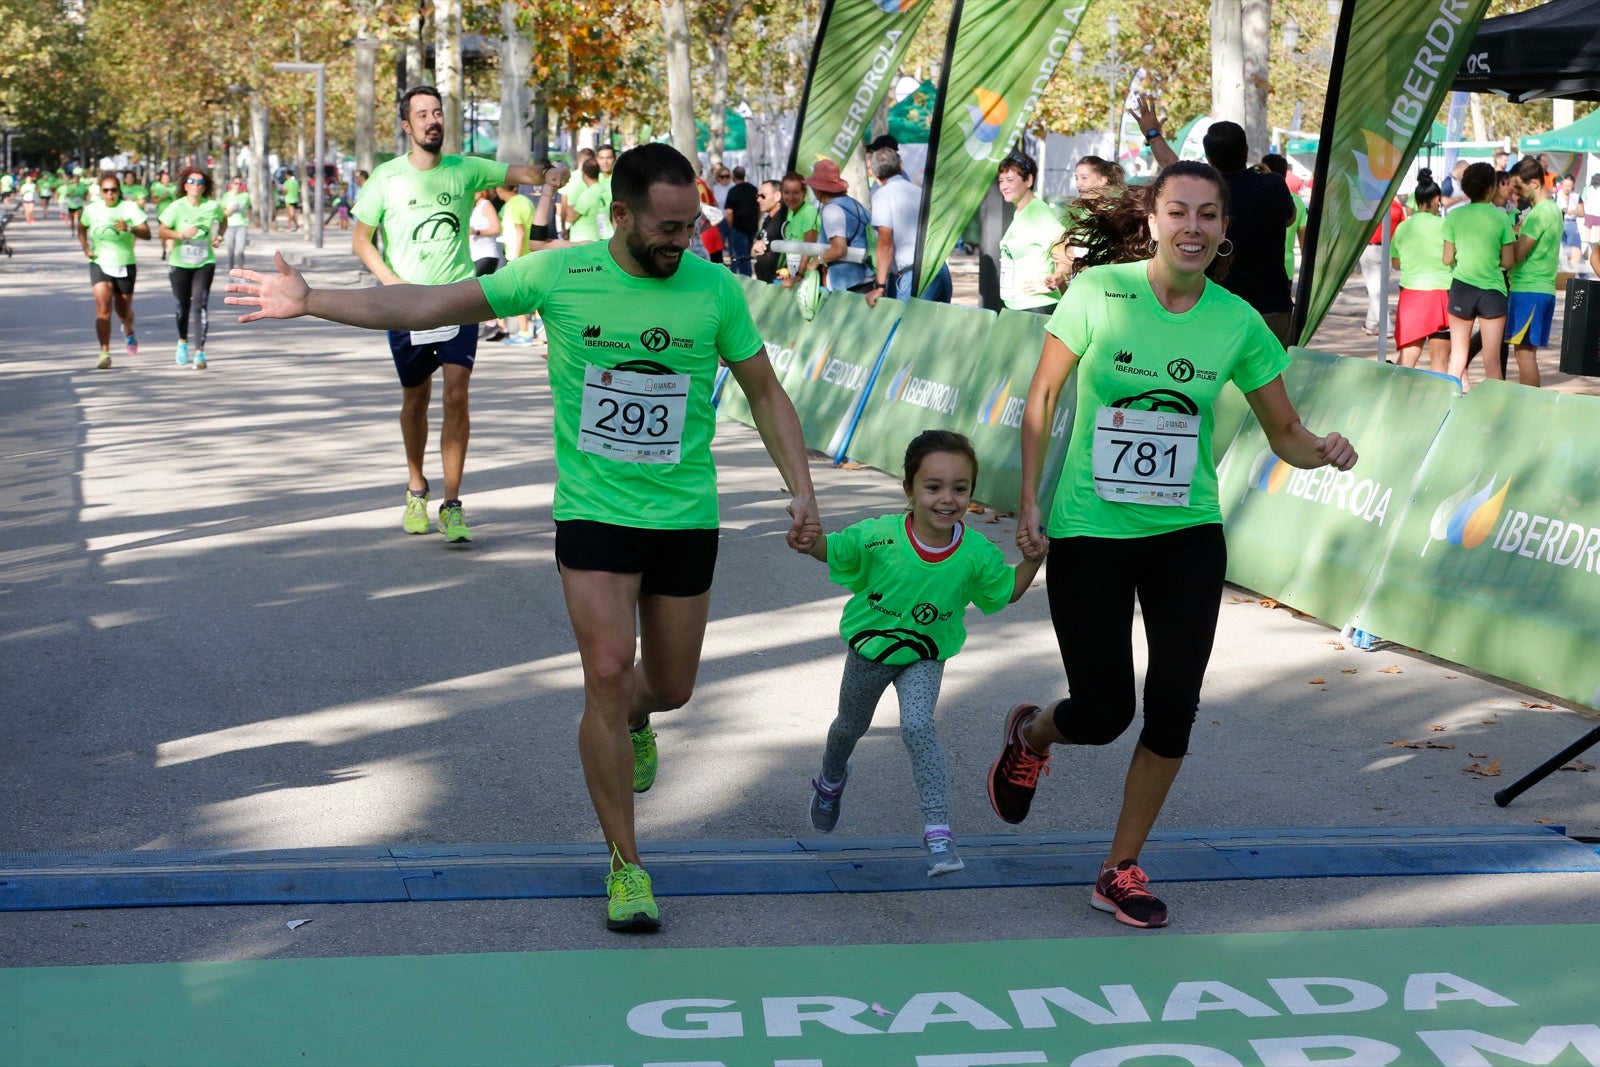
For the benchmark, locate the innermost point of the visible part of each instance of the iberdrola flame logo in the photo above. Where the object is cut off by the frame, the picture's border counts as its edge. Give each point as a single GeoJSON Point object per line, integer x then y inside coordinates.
{"type": "Point", "coordinates": [897, 7]}
{"type": "Point", "coordinates": [982, 122]}
{"type": "Point", "coordinates": [813, 368]}
{"type": "Point", "coordinates": [994, 405]}
{"type": "Point", "coordinates": [1466, 518]}
{"type": "Point", "coordinates": [1268, 473]}
{"type": "Point", "coordinates": [1374, 171]}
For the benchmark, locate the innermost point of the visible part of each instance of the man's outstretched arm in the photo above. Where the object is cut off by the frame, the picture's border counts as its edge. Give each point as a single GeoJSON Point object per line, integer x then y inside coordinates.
{"type": "Point", "coordinates": [285, 295]}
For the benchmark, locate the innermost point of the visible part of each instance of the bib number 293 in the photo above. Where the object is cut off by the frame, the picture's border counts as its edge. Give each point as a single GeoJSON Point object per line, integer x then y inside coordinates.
{"type": "Point", "coordinates": [1145, 457]}
{"type": "Point", "coordinates": [633, 417]}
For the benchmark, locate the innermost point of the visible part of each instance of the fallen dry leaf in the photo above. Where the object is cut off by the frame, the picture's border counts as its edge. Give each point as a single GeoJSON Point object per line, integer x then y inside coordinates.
{"type": "Point", "coordinates": [1268, 602]}
{"type": "Point", "coordinates": [1241, 600]}
{"type": "Point", "coordinates": [1420, 744]}
{"type": "Point", "coordinates": [1337, 647]}
{"type": "Point", "coordinates": [993, 518]}
{"type": "Point", "coordinates": [1490, 722]}
{"type": "Point", "coordinates": [1318, 681]}
{"type": "Point", "coordinates": [1297, 613]}
{"type": "Point", "coordinates": [1349, 670]}
{"type": "Point", "coordinates": [1541, 707]}
{"type": "Point", "coordinates": [976, 509]}
{"type": "Point", "coordinates": [852, 465]}
{"type": "Point", "coordinates": [1577, 765]}
{"type": "Point", "coordinates": [1478, 755]}
{"type": "Point", "coordinates": [1490, 770]}
{"type": "Point", "coordinates": [1390, 670]}
{"type": "Point", "coordinates": [1451, 676]}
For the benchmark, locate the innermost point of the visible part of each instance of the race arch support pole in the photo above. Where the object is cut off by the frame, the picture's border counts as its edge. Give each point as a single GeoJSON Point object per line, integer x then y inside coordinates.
{"type": "Point", "coordinates": [1547, 768]}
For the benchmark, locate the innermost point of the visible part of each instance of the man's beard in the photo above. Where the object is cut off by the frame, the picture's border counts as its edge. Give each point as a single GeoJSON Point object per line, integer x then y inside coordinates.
{"type": "Point", "coordinates": [432, 142]}
{"type": "Point", "coordinates": [645, 256]}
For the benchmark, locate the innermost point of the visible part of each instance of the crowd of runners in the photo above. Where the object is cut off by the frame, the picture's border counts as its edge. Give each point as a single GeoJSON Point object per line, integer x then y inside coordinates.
{"type": "Point", "coordinates": [637, 325]}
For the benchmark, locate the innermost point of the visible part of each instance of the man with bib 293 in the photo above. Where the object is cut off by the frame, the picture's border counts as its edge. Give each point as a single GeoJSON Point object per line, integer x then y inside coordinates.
{"type": "Point", "coordinates": [422, 202]}
{"type": "Point", "coordinates": [636, 329]}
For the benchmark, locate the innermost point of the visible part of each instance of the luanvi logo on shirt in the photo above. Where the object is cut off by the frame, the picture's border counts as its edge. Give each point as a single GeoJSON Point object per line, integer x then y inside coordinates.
{"type": "Point", "coordinates": [433, 224]}
{"type": "Point", "coordinates": [1122, 296]}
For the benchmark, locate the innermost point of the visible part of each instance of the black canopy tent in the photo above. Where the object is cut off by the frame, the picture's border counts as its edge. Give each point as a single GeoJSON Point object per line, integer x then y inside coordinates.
{"type": "Point", "coordinates": [1548, 51]}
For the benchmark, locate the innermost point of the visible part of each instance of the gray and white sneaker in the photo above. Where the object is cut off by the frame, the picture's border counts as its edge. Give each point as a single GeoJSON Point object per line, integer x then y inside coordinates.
{"type": "Point", "coordinates": [942, 856]}
{"type": "Point", "coordinates": [825, 803]}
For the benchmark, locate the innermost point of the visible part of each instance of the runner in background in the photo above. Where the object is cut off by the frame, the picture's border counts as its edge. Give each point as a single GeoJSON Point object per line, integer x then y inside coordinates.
{"type": "Point", "coordinates": [1135, 513]}
{"type": "Point", "coordinates": [162, 193]}
{"type": "Point", "coordinates": [106, 232]}
{"type": "Point", "coordinates": [195, 224]}
{"type": "Point", "coordinates": [74, 192]}
{"type": "Point", "coordinates": [291, 201]}
{"type": "Point", "coordinates": [236, 208]}
{"type": "Point", "coordinates": [913, 575]}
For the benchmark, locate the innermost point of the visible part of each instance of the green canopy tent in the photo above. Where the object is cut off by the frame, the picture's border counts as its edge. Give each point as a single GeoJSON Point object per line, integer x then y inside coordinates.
{"type": "Point", "coordinates": [1436, 139]}
{"type": "Point", "coordinates": [734, 140]}
{"type": "Point", "coordinates": [1580, 136]}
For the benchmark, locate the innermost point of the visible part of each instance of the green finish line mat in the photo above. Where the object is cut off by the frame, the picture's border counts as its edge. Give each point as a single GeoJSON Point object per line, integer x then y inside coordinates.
{"type": "Point", "coordinates": [40, 881]}
{"type": "Point", "coordinates": [1455, 995]}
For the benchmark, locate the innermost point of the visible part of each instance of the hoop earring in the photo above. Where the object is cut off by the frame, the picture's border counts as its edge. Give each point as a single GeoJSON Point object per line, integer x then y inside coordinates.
{"type": "Point", "coordinates": [1154, 244]}
{"type": "Point", "coordinates": [1229, 252]}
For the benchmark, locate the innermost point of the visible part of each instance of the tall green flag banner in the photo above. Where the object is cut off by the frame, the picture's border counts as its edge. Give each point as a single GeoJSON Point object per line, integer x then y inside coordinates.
{"type": "Point", "coordinates": [999, 58]}
{"type": "Point", "coordinates": [1496, 562]}
{"type": "Point", "coordinates": [854, 62]}
{"type": "Point", "coordinates": [1393, 64]}
{"type": "Point", "coordinates": [1337, 522]}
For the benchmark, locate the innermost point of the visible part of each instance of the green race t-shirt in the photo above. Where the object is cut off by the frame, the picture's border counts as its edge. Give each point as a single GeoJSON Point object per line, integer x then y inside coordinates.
{"type": "Point", "coordinates": [1136, 356]}
{"type": "Point", "coordinates": [1291, 238]}
{"type": "Point", "coordinates": [109, 245]}
{"type": "Point", "coordinates": [517, 211]}
{"type": "Point", "coordinates": [1537, 274]}
{"type": "Point", "coordinates": [799, 222]}
{"type": "Point", "coordinates": [237, 207]}
{"type": "Point", "coordinates": [1025, 256]}
{"type": "Point", "coordinates": [1418, 243]}
{"type": "Point", "coordinates": [1479, 231]}
{"type": "Point", "coordinates": [587, 201]}
{"type": "Point", "coordinates": [602, 220]}
{"type": "Point", "coordinates": [160, 193]}
{"type": "Point", "coordinates": [632, 365]}
{"type": "Point", "coordinates": [291, 190]}
{"type": "Point", "coordinates": [206, 217]}
{"type": "Point", "coordinates": [423, 214]}
{"type": "Point", "coordinates": [134, 192]}
{"type": "Point", "coordinates": [906, 608]}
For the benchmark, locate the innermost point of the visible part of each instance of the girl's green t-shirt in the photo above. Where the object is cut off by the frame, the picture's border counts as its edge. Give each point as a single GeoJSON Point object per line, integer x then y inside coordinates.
{"type": "Point", "coordinates": [1418, 243]}
{"type": "Point", "coordinates": [1478, 232]}
{"type": "Point", "coordinates": [205, 217]}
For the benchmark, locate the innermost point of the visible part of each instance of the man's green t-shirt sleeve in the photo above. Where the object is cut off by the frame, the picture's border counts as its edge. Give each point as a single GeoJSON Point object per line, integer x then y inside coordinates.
{"type": "Point", "coordinates": [520, 286]}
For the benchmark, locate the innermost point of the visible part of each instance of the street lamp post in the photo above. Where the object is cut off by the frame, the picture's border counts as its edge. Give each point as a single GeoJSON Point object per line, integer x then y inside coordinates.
{"type": "Point", "coordinates": [320, 70]}
{"type": "Point", "coordinates": [1113, 70]}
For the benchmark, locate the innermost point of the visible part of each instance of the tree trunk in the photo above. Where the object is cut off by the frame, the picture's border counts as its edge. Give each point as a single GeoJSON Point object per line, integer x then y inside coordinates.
{"type": "Point", "coordinates": [1227, 60]}
{"type": "Point", "coordinates": [1257, 38]}
{"type": "Point", "coordinates": [680, 93]}
{"type": "Point", "coordinates": [717, 123]}
{"type": "Point", "coordinates": [447, 67]}
{"type": "Point", "coordinates": [260, 180]}
{"type": "Point", "coordinates": [516, 64]}
{"type": "Point", "coordinates": [539, 129]}
{"type": "Point", "coordinates": [416, 52]}
{"type": "Point", "coordinates": [366, 103]}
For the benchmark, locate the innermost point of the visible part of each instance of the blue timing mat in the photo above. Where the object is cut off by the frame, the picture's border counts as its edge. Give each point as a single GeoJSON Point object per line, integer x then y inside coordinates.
{"type": "Point", "coordinates": [40, 881]}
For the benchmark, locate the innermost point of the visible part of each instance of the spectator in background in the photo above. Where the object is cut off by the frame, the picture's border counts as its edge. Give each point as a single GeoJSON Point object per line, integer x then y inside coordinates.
{"type": "Point", "coordinates": [1535, 262]}
{"type": "Point", "coordinates": [1571, 205]}
{"type": "Point", "coordinates": [774, 215]}
{"type": "Point", "coordinates": [1417, 252]}
{"type": "Point", "coordinates": [1478, 247]}
{"type": "Point", "coordinates": [1591, 220]}
{"type": "Point", "coordinates": [1025, 263]}
{"type": "Point", "coordinates": [1296, 237]}
{"type": "Point", "coordinates": [844, 227]}
{"type": "Point", "coordinates": [803, 222]}
{"type": "Point", "coordinates": [896, 215]}
{"type": "Point", "coordinates": [1372, 272]}
{"type": "Point", "coordinates": [744, 219]}
{"type": "Point", "coordinates": [583, 207]}
{"type": "Point", "coordinates": [1451, 188]}
{"type": "Point", "coordinates": [1260, 213]}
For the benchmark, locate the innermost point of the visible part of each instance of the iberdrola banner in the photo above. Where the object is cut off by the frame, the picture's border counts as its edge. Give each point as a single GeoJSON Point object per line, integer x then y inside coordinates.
{"type": "Point", "coordinates": [1394, 61]}
{"type": "Point", "coordinates": [854, 62]}
{"type": "Point", "coordinates": [998, 60]}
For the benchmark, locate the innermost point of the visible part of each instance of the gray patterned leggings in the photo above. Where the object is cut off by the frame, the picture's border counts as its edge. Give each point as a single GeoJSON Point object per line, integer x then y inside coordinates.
{"type": "Point", "coordinates": [917, 686]}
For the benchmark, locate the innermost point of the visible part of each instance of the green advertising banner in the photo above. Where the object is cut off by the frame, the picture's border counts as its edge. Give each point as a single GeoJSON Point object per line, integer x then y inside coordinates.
{"type": "Point", "coordinates": [1442, 996]}
{"type": "Point", "coordinates": [1496, 563]}
{"type": "Point", "coordinates": [854, 62]}
{"type": "Point", "coordinates": [825, 366]}
{"type": "Point", "coordinates": [1394, 61]}
{"type": "Point", "coordinates": [998, 61]}
{"type": "Point", "coordinates": [1313, 538]}
{"type": "Point", "coordinates": [933, 376]}
{"type": "Point", "coordinates": [788, 335]}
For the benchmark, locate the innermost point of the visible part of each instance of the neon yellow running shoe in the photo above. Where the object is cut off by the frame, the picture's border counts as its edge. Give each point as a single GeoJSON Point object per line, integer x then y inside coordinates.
{"type": "Point", "coordinates": [416, 517]}
{"type": "Point", "coordinates": [105, 360]}
{"type": "Point", "coordinates": [630, 905]}
{"type": "Point", "coordinates": [645, 760]}
{"type": "Point", "coordinates": [453, 522]}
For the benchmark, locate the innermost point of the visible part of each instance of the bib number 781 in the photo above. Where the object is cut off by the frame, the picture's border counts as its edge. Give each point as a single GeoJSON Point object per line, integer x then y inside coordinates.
{"type": "Point", "coordinates": [1145, 457]}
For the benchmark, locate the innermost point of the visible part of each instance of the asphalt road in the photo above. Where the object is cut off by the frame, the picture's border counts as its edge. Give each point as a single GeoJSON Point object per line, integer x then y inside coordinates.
{"type": "Point", "coordinates": [215, 635]}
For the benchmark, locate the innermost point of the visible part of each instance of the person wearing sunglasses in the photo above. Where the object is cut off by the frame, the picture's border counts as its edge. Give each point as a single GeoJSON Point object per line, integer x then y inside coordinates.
{"type": "Point", "coordinates": [195, 224]}
{"type": "Point", "coordinates": [236, 208]}
{"type": "Point", "coordinates": [106, 231]}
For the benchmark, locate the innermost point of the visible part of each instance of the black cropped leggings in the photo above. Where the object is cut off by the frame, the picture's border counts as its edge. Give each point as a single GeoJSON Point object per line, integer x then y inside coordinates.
{"type": "Point", "coordinates": [192, 287]}
{"type": "Point", "coordinates": [1092, 582]}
